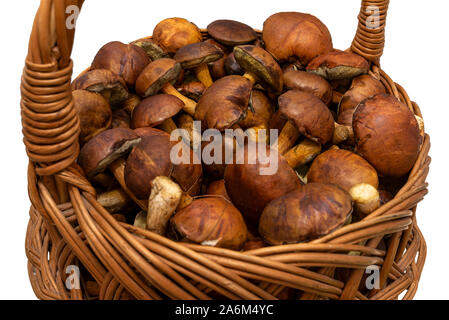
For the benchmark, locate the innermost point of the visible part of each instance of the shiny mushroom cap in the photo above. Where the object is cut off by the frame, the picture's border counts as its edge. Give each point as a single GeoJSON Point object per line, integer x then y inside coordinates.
{"type": "Point", "coordinates": [308, 82]}
{"type": "Point", "coordinates": [260, 110]}
{"type": "Point", "coordinates": [260, 63]}
{"type": "Point", "coordinates": [196, 54]}
{"type": "Point", "coordinates": [153, 111]}
{"type": "Point", "coordinates": [307, 213]}
{"type": "Point", "coordinates": [295, 36]}
{"type": "Point", "coordinates": [337, 65]}
{"type": "Point", "coordinates": [97, 154]}
{"type": "Point", "coordinates": [231, 33]}
{"type": "Point", "coordinates": [211, 221]}
{"type": "Point", "coordinates": [309, 114]}
{"type": "Point", "coordinates": [387, 135]}
{"type": "Point", "coordinates": [126, 61]}
{"type": "Point", "coordinates": [174, 33]}
{"type": "Point", "coordinates": [156, 75]}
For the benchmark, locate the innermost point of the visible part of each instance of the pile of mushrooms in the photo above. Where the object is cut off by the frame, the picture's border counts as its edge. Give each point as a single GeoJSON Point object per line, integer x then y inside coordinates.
{"type": "Point", "coordinates": [340, 135]}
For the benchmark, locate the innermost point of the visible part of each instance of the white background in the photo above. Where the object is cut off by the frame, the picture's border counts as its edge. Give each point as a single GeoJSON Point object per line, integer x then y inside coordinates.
{"type": "Point", "coordinates": [415, 56]}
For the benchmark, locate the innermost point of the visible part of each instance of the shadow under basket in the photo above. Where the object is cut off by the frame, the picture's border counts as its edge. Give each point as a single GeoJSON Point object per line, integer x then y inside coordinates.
{"type": "Point", "coordinates": [70, 236]}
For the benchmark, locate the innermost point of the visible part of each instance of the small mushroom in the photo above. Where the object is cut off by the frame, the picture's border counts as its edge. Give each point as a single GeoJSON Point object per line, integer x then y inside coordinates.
{"type": "Point", "coordinates": [197, 56]}
{"type": "Point", "coordinates": [350, 172]}
{"type": "Point", "coordinates": [259, 112]}
{"type": "Point", "coordinates": [160, 75]}
{"type": "Point", "coordinates": [387, 135]}
{"type": "Point", "coordinates": [156, 111]}
{"type": "Point", "coordinates": [307, 213]}
{"type": "Point", "coordinates": [174, 33]}
{"type": "Point", "coordinates": [126, 61]}
{"type": "Point", "coordinates": [211, 221]}
{"type": "Point", "coordinates": [260, 67]}
{"type": "Point", "coordinates": [337, 65]}
{"type": "Point", "coordinates": [231, 33]}
{"type": "Point", "coordinates": [94, 112]}
{"type": "Point", "coordinates": [296, 37]}
{"type": "Point", "coordinates": [308, 82]}
{"type": "Point", "coordinates": [152, 50]}
{"type": "Point", "coordinates": [105, 82]}
{"type": "Point", "coordinates": [232, 66]}
{"type": "Point", "coordinates": [193, 90]}
{"type": "Point", "coordinates": [114, 201]}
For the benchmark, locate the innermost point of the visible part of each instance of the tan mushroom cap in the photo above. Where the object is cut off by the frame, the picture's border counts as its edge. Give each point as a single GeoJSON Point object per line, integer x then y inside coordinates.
{"type": "Point", "coordinates": [174, 33]}
{"type": "Point", "coordinates": [259, 62]}
{"type": "Point", "coordinates": [211, 221]}
{"type": "Point", "coordinates": [308, 82]}
{"type": "Point", "coordinates": [231, 33]}
{"type": "Point", "coordinates": [97, 154]}
{"type": "Point", "coordinates": [342, 168]}
{"type": "Point", "coordinates": [156, 75]}
{"type": "Point", "coordinates": [309, 114]}
{"type": "Point", "coordinates": [94, 112]}
{"type": "Point", "coordinates": [224, 103]}
{"type": "Point", "coordinates": [337, 65]}
{"type": "Point", "coordinates": [307, 213]}
{"type": "Point", "coordinates": [387, 135]}
{"type": "Point", "coordinates": [250, 190]}
{"type": "Point", "coordinates": [196, 54]}
{"type": "Point", "coordinates": [126, 61]}
{"type": "Point", "coordinates": [295, 36]}
{"type": "Point", "coordinates": [153, 111]}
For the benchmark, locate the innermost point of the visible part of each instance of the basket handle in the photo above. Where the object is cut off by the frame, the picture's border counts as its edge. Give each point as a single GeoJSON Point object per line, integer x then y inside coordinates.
{"type": "Point", "coordinates": [49, 121]}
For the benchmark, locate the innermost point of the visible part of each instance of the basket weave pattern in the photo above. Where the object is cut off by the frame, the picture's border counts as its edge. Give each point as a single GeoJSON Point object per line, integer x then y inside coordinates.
{"type": "Point", "coordinates": [68, 227]}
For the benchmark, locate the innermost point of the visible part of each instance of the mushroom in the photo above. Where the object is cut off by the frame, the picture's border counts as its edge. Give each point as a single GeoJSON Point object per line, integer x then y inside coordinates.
{"type": "Point", "coordinates": [308, 82]}
{"type": "Point", "coordinates": [94, 112]}
{"type": "Point", "coordinates": [337, 65]}
{"type": "Point", "coordinates": [156, 111]}
{"type": "Point", "coordinates": [350, 172]}
{"type": "Point", "coordinates": [214, 165]}
{"type": "Point", "coordinates": [114, 201]}
{"type": "Point", "coordinates": [217, 68]}
{"type": "Point", "coordinates": [129, 104]}
{"type": "Point", "coordinates": [307, 213]}
{"type": "Point", "coordinates": [174, 33]}
{"type": "Point", "coordinates": [218, 188]}
{"type": "Point", "coordinates": [260, 67]}
{"type": "Point", "coordinates": [231, 33]}
{"type": "Point", "coordinates": [197, 56]}
{"type": "Point", "coordinates": [296, 37]}
{"type": "Point", "coordinates": [159, 76]}
{"type": "Point", "coordinates": [250, 189]}
{"type": "Point", "coordinates": [105, 82]}
{"type": "Point", "coordinates": [152, 50]}
{"type": "Point", "coordinates": [193, 90]}
{"type": "Point", "coordinates": [259, 112]}
{"type": "Point", "coordinates": [232, 66]}
{"type": "Point", "coordinates": [126, 61]}
{"type": "Point", "coordinates": [211, 221]}
{"type": "Point", "coordinates": [120, 119]}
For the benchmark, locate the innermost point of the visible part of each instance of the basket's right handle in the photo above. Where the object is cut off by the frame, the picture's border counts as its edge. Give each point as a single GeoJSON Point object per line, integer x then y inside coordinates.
{"type": "Point", "coordinates": [369, 40]}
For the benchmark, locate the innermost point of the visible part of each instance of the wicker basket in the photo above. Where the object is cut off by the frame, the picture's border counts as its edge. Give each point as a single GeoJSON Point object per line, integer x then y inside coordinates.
{"type": "Point", "coordinates": [117, 261]}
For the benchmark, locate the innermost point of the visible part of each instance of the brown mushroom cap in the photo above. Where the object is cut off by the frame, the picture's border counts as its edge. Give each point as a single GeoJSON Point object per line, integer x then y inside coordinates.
{"type": "Point", "coordinates": [174, 33]}
{"type": "Point", "coordinates": [309, 114]}
{"type": "Point", "coordinates": [259, 62]}
{"type": "Point", "coordinates": [120, 119]}
{"type": "Point", "coordinates": [231, 33]}
{"type": "Point", "coordinates": [153, 111]}
{"type": "Point", "coordinates": [387, 135]}
{"type": "Point", "coordinates": [156, 75]}
{"type": "Point", "coordinates": [224, 103]}
{"type": "Point", "coordinates": [212, 222]}
{"type": "Point", "coordinates": [307, 213]}
{"type": "Point", "coordinates": [342, 168]}
{"type": "Point", "coordinates": [292, 36]}
{"type": "Point", "coordinates": [216, 170]}
{"type": "Point", "coordinates": [193, 90]}
{"type": "Point", "coordinates": [232, 66]}
{"type": "Point", "coordinates": [338, 65]}
{"type": "Point", "coordinates": [97, 154]}
{"type": "Point", "coordinates": [126, 61]}
{"type": "Point", "coordinates": [251, 191]}
{"type": "Point", "coordinates": [94, 113]}
{"type": "Point", "coordinates": [260, 110]}
{"type": "Point", "coordinates": [308, 82]}
{"type": "Point", "coordinates": [196, 54]}
{"type": "Point", "coordinates": [104, 82]}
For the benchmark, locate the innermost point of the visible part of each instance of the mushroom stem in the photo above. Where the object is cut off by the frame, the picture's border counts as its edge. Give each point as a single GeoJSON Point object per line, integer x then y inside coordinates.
{"type": "Point", "coordinates": [185, 122]}
{"type": "Point", "coordinates": [366, 198]}
{"type": "Point", "coordinates": [203, 75]}
{"type": "Point", "coordinates": [251, 77]}
{"type": "Point", "coordinates": [168, 126]}
{"type": "Point", "coordinates": [113, 201]}
{"type": "Point", "coordinates": [287, 138]}
{"type": "Point", "coordinates": [303, 153]}
{"type": "Point", "coordinates": [341, 134]}
{"type": "Point", "coordinates": [164, 199]}
{"type": "Point", "coordinates": [254, 132]}
{"type": "Point", "coordinates": [190, 105]}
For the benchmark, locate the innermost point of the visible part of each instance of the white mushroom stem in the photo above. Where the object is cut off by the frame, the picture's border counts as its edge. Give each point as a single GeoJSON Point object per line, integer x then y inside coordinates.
{"type": "Point", "coordinates": [366, 198]}
{"type": "Point", "coordinates": [164, 199]}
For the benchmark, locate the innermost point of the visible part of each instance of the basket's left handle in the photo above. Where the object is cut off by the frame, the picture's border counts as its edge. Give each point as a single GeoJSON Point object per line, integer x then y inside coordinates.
{"type": "Point", "coordinates": [50, 123]}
